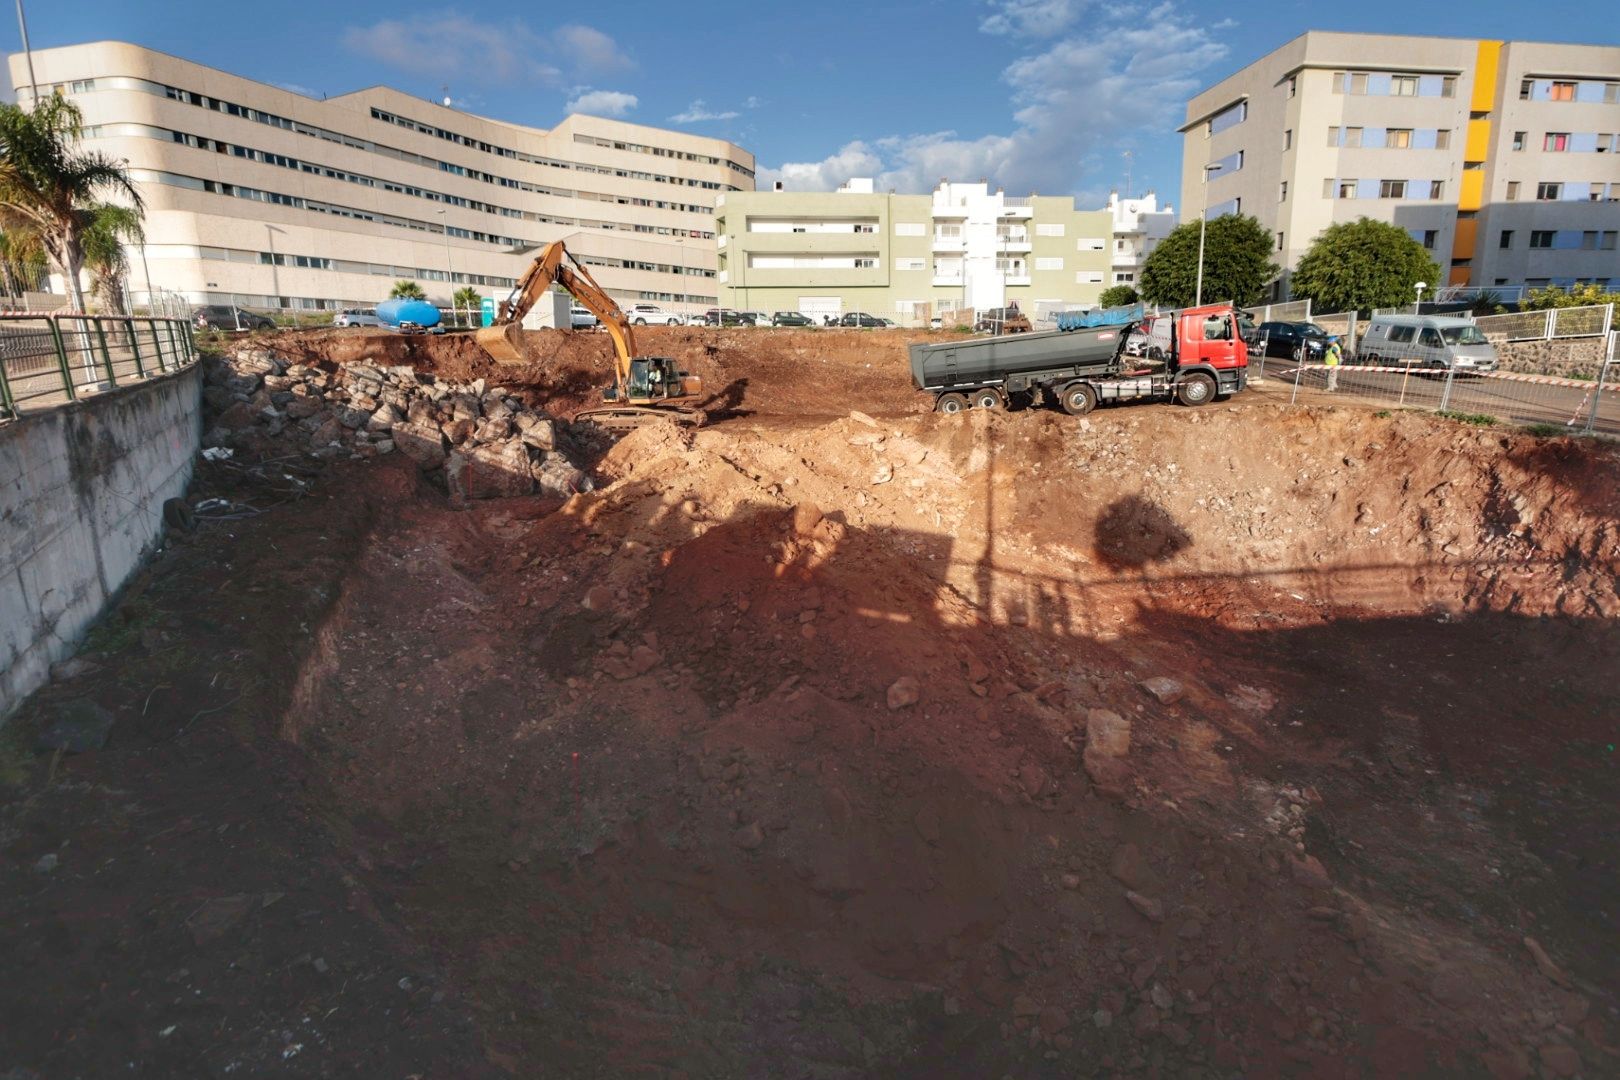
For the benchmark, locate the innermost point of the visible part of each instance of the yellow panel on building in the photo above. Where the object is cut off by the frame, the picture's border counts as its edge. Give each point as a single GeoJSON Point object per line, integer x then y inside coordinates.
{"type": "Point", "coordinates": [1479, 141]}
{"type": "Point", "coordinates": [1473, 189]}
{"type": "Point", "coordinates": [1485, 64]}
{"type": "Point", "coordinates": [1459, 276]}
{"type": "Point", "coordinates": [1462, 244]}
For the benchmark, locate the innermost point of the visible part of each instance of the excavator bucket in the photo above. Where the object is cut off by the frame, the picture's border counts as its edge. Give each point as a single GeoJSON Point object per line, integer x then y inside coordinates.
{"type": "Point", "coordinates": [501, 342]}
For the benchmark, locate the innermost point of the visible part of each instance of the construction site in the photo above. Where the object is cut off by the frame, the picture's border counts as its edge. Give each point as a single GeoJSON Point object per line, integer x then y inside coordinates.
{"type": "Point", "coordinates": [449, 733]}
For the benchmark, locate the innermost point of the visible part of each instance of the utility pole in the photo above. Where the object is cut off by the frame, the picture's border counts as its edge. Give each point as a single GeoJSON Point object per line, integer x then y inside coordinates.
{"type": "Point", "coordinates": [33, 80]}
{"type": "Point", "coordinates": [1203, 220]}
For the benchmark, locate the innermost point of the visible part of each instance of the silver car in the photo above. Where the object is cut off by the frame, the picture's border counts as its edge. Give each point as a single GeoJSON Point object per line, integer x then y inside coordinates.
{"type": "Point", "coordinates": [357, 317]}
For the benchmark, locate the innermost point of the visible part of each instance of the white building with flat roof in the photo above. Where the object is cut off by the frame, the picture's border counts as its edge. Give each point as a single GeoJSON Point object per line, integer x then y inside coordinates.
{"type": "Point", "coordinates": [1139, 224]}
{"type": "Point", "coordinates": [270, 199]}
{"type": "Point", "coordinates": [1502, 158]}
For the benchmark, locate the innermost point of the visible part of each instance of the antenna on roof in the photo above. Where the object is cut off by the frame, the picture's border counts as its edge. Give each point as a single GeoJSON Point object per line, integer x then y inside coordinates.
{"type": "Point", "coordinates": [446, 90]}
{"type": "Point", "coordinates": [1127, 155]}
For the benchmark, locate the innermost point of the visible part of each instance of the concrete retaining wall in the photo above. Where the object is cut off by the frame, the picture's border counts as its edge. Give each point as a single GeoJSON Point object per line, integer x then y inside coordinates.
{"type": "Point", "coordinates": [81, 505]}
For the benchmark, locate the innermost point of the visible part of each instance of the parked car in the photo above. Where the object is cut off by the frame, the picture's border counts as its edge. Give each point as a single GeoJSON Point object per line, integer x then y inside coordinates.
{"type": "Point", "coordinates": [229, 317]}
{"type": "Point", "coordinates": [1007, 320]}
{"type": "Point", "coordinates": [581, 319]}
{"type": "Point", "coordinates": [860, 318]}
{"type": "Point", "coordinates": [1293, 340]}
{"type": "Point", "coordinates": [755, 318]}
{"type": "Point", "coordinates": [1437, 341]}
{"type": "Point", "coordinates": [791, 318]}
{"type": "Point", "coordinates": [727, 317]}
{"type": "Point", "coordinates": [642, 314]}
{"type": "Point", "coordinates": [357, 317]}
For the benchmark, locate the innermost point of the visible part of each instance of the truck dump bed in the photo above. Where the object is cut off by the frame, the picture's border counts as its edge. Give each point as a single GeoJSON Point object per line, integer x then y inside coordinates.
{"type": "Point", "coordinates": [982, 361]}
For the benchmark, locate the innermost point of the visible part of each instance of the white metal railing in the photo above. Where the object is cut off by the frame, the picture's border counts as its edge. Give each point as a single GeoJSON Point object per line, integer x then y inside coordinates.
{"type": "Point", "coordinates": [1592, 320]}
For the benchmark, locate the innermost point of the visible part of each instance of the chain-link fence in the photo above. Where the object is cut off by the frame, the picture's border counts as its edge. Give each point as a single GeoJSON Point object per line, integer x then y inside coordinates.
{"type": "Point", "coordinates": [1580, 398]}
{"type": "Point", "coordinates": [50, 359]}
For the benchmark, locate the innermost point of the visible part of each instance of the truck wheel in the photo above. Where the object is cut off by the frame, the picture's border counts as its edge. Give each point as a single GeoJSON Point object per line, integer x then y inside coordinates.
{"type": "Point", "coordinates": [987, 399]}
{"type": "Point", "coordinates": [950, 404]}
{"type": "Point", "coordinates": [1196, 389]}
{"type": "Point", "coordinates": [1078, 399]}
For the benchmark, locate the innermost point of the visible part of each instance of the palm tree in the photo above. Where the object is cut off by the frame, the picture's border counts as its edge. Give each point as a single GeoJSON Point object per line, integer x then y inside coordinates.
{"type": "Point", "coordinates": [406, 290]}
{"type": "Point", "coordinates": [49, 187]}
{"type": "Point", "coordinates": [466, 299]}
{"type": "Point", "coordinates": [22, 262]}
{"type": "Point", "coordinates": [107, 230]}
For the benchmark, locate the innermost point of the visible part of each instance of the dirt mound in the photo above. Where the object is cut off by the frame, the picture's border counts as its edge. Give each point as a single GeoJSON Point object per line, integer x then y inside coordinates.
{"type": "Point", "coordinates": [1184, 742]}
{"type": "Point", "coordinates": [814, 373]}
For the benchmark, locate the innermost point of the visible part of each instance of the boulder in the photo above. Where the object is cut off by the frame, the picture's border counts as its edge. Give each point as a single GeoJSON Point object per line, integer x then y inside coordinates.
{"type": "Point", "coordinates": [558, 478]}
{"type": "Point", "coordinates": [238, 417]}
{"type": "Point", "coordinates": [1108, 741]}
{"type": "Point", "coordinates": [384, 419]}
{"type": "Point", "coordinates": [1168, 691]}
{"type": "Point", "coordinates": [300, 407]}
{"type": "Point", "coordinates": [353, 418]}
{"type": "Point", "coordinates": [904, 692]}
{"type": "Point", "coordinates": [497, 471]}
{"type": "Point", "coordinates": [539, 432]}
{"type": "Point", "coordinates": [422, 443]}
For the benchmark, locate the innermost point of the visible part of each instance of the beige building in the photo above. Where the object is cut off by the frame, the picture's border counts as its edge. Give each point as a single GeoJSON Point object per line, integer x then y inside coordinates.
{"type": "Point", "coordinates": [270, 199]}
{"type": "Point", "coordinates": [909, 257]}
{"type": "Point", "coordinates": [1501, 158]}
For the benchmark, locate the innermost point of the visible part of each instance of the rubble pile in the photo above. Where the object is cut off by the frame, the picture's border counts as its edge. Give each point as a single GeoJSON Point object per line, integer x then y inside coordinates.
{"type": "Point", "coordinates": [481, 441]}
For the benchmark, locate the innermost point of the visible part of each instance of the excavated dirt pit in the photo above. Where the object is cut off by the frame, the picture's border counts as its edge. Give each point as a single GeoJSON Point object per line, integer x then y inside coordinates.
{"type": "Point", "coordinates": [820, 744]}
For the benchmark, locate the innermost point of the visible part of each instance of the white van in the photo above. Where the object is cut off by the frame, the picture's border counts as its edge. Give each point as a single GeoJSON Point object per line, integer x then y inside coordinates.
{"type": "Point", "coordinates": [1433, 341]}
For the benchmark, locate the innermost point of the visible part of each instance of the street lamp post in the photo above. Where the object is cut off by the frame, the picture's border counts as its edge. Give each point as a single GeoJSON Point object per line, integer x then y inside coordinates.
{"type": "Point", "coordinates": [449, 269]}
{"type": "Point", "coordinates": [1419, 286]}
{"type": "Point", "coordinates": [1203, 220]}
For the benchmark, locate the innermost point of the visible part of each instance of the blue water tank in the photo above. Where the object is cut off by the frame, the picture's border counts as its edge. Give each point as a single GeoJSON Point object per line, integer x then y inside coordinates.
{"type": "Point", "coordinates": [416, 312]}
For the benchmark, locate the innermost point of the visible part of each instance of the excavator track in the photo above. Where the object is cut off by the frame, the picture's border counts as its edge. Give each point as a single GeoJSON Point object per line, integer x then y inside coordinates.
{"type": "Point", "coordinates": [623, 418]}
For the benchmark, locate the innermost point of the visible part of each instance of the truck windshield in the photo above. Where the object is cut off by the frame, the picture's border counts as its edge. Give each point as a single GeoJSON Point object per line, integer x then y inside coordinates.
{"type": "Point", "coordinates": [1463, 335]}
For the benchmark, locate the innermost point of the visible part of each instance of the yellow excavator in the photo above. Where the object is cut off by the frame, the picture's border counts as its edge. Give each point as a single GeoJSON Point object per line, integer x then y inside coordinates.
{"type": "Point", "coordinates": [644, 387]}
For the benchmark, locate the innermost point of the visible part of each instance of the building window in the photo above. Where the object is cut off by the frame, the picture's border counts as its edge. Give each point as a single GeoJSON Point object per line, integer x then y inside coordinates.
{"type": "Point", "coordinates": [1526, 88]}
{"type": "Point", "coordinates": [1555, 141]}
{"type": "Point", "coordinates": [1546, 192]}
{"type": "Point", "coordinates": [1279, 241]}
{"type": "Point", "coordinates": [1123, 278]}
{"type": "Point", "coordinates": [1611, 93]}
{"type": "Point", "coordinates": [1541, 238]}
{"type": "Point", "coordinates": [1430, 236]}
{"type": "Point", "coordinates": [1392, 189]}
{"type": "Point", "coordinates": [1293, 85]}
{"type": "Point", "coordinates": [911, 264]}
{"type": "Point", "coordinates": [1227, 118]}
{"type": "Point", "coordinates": [1282, 192]}
{"type": "Point", "coordinates": [1561, 91]}
{"type": "Point", "coordinates": [1333, 136]}
{"type": "Point", "coordinates": [1606, 242]}
{"type": "Point", "coordinates": [1448, 86]}
{"type": "Point", "coordinates": [1352, 136]}
{"type": "Point", "coordinates": [910, 228]}
{"type": "Point", "coordinates": [1403, 86]}
{"type": "Point", "coordinates": [1288, 139]}
{"type": "Point", "coordinates": [1397, 138]}
{"type": "Point", "coordinates": [1518, 140]}
{"type": "Point", "coordinates": [1507, 239]}
{"type": "Point", "coordinates": [1589, 240]}
{"type": "Point", "coordinates": [1048, 263]}
{"type": "Point", "coordinates": [1442, 138]}
{"type": "Point", "coordinates": [1437, 189]}
{"type": "Point", "coordinates": [1512, 190]}
{"type": "Point", "coordinates": [1049, 229]}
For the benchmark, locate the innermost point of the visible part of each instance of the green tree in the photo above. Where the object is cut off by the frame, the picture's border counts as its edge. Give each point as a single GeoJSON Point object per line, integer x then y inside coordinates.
{"type": "Point", "coordinates": [108, 229]}
{"type": "Point", "coordinates": [406, 290]}
{"type": "Point", "coordinates": [1117, 296]}
{"type": "Point", "coordinates": [467, 298]}
{"type": "Point", "coordinates": [22, 261]}
{"type": "Point", "coordinates": [1577, 296]}
{"type": "Point", "coordinates": [50, 189]}
{"type": "Point", "coordinates": [1237, 263]}
{"type": "Point", "coordinates": [1361, 265]}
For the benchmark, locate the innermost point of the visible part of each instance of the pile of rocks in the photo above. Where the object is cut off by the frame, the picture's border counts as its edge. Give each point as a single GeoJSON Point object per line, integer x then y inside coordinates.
{"type": "Point", "coordinates": [482, 441]}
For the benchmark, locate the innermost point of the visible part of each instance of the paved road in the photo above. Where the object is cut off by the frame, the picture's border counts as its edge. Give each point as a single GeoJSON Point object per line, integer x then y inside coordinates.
{"type": "Point", "coordinates": [1492, 395]}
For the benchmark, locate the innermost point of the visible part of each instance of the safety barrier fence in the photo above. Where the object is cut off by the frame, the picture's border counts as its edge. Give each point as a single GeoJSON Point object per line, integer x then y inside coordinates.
{"type": "Point", "coordinates": [1550, 402]}
{"type": "Point", "coordinates": [51, 358]}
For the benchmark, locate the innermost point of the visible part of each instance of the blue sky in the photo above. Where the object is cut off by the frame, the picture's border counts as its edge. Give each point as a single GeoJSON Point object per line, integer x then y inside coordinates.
{"type": "Point", "coordinates": [1037, 95]}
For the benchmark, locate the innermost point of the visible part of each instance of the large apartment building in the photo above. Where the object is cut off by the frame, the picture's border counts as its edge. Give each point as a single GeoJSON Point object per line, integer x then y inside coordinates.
{"type": "Point", "coordinates": [904, 256]}
{"type": "Point", "coordinates": [1139, 224]}
{"type": "Point", "coordinates": [266, 198]}
{"type": "Point", "coordinates": [1501, 158]}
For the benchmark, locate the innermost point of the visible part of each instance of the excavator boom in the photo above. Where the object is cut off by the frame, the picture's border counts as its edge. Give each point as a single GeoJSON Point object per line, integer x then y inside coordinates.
{"type": "Point", "coordinates": [641, 386]}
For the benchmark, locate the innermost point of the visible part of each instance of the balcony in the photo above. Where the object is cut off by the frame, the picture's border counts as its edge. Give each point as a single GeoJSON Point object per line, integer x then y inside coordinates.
{"type": "Point", "coordinates": [948, 279]}
{"type": "Point", "coordinates": [1016, 209]}
{"type": "Point", "coordinates": [1013, 242]}
{"type": "Point", "coordinates": [1018, 279]}
{"type": "Point", "coordinates": [949, 243]}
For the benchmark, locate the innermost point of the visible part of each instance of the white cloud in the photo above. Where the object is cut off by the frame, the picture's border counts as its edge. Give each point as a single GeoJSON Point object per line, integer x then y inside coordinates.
{"type": "Point", "coordinates": [752, 102]}
{"type": "Point", "coordinates": [1028, 18]}
{"type": "Point", "coordinates": [698, 111]}
{"type": "Point", "coordinates": [462, 47]}
{"type": "Point", "coordinates": [1075, 105]}
{"type": "Point", "coordinates": [602, 102]}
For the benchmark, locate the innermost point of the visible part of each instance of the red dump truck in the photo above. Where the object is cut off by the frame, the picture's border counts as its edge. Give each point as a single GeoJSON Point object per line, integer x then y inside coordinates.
{"type": "Point", "coordinates": [1201, 357]}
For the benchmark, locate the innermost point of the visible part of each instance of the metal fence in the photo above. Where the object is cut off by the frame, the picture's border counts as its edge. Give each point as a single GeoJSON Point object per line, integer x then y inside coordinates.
{"type": "Point", "coordinates": [1593, 320]}
{"type": "Point", "coordinates": [49, 359]}
{"type": "Point", "coordinates": [1288, 311]}
{"type": "Point", "coordinates": [1574, 403]}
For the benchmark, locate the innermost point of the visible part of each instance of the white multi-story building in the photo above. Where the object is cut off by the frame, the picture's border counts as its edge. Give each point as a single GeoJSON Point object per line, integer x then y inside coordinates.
{"type": "Point", "coordinates": [963, 246]}
{"type": "Point", "coordinates": [1139, 225]}
{"type": "Point", "coordinates": [265, 198]}
{"type": "Point", "coordinates": [1501, 158]}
